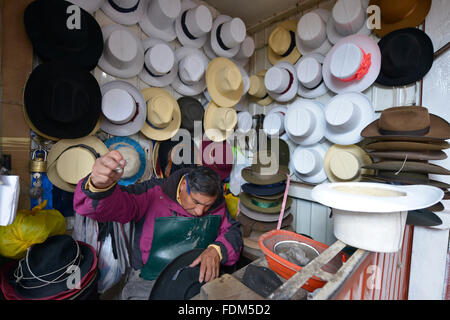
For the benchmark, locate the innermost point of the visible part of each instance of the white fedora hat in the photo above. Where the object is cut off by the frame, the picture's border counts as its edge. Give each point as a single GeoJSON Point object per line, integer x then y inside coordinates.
{"type": "Point", "coordinates": [193, 24]}
{"type": "Point", "coordinates": [245, 52]}
{"type": "Point", "coordinates": [123, 108]}
{"type": "Point", "coordinates": [89, 5]}
{"type": "Point", "coordinates": [309, 73]}
{"type": "Point", "coordinates": [347, 17]}
{"type": "Point", "coordinates": [304, 122]}
{"type": "Point", "coordinates": [308, 162]}
{"type": "Point", "coordinates": [158, 19]}
{"type": "Point", "coordinates": [192, 65]}
{"type": "Point", "coordinates": [273, 124]}
{"type": "Point", "coordinates": [346, 114]}
{"type": "Point", "coordinates": [160, 68]}
{"type": "Point", "coordinates": [311, 36]}
{"type": "Point", "coordinates": [281, 81]}
{"type": "Point", "coordinates": [227, 34]}
{"type": "Point", "coordinates": [352, 65]}
{"type": "Point", "coordinates": [344, 163]}
{"type": "Point", "coordinates": [126, 12]}
{"type": "Point", "coordinates": [123, 54]}
{"type": "Point", "coordinates": [244, 121]}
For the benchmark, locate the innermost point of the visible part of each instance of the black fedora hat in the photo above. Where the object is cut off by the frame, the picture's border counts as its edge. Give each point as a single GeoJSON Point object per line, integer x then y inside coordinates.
{"type": "Point", "coordinates": [62, 101]}
{"type": "Point", "coordinates": [48, 25]}
{"type": "Point", "coordinates": [178, 281]}
{"type": "Point", "coordinates": [406, 57]}
{"type": "Point", "coordinates": [191, 110]}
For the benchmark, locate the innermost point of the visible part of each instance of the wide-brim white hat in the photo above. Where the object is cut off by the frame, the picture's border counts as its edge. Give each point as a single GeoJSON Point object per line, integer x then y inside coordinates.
{"type": "Point", "coordinates": [346, 115]}
{"type": "Point", "coordinates": [193, 33]}
{"type": "Point", "coordinates": [190, 89]}
{"type": "Point", "coordinates": [127, 105]}
{"type": "Point", "coordinates": [308, 162]}
{"type": "Point", "coordinates": [89, 5]}
{"type": "Point", "coordinates": [217, 42]}
{"type": "Point", "coordinates": [304, 122]}
{"type": "Point", "coordinates": [349, 62]}
{"type": "Point", "coordinates": [165, 56]}
{"type": "Point", "coordinates": [121, 15]}
{"type": "Point", "coordinates": [282, 86]}
{"type": "Point", "coordinates": [273, 124]}
{"type": "Point", "coordinates": [314, 71]}
{"type": "Point", "coordinates": [123, 56]}
{"type": "Point", "coordinates": [313, 22]}
{"type": "Point", "coordinates": [348, 17]}
{"type": "Point", "coordinates": [158, 19]}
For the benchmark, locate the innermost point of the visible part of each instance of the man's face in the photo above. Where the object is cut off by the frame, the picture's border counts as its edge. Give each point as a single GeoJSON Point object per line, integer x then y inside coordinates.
{"type": "Point", "coordinates": [195, 203]}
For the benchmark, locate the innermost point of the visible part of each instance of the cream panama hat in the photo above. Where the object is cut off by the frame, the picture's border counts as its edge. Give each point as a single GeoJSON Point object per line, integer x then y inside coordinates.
{"type": "Point", "coordinates": [193, 24]}
{"type": "Point", "coordinates": [158, 19]}
{"type": "Point", "coordinates": [163, 114]}
{"type": "Point", "coordinates": [258, 89]}
{"type": "Point", "coordinates": [311, 34]}
{"type": "Point", "coordinates": [281, 44]}
{"type": "Point", "coordinates": [160, 68]}
{"type": "Point", "coordinates": [308, 162]}
{"type": "Point", "coordinates": [123, 108]}
{"type": "Point", "coordinates": [281, 81]}
{"type": "Point", "coordinates": [309, 73]}
{"type": "Point", "coordinates": [219, 122]}
{"type": "Point", "coordinates": [123, 54]}
{"type": "Point", "coordinates": [125, 12]}
{"type": "Point", "coordinates": [70, 160]}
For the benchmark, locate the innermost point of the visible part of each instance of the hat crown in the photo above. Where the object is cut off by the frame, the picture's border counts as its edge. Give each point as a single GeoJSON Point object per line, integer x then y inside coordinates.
{"type": "Point", "coordinates": [245, 121]}
{"type": "Point", "coordinates": [121, 48]}
{"type": "Point", "coordinates": [346, 60]}
{"type": "Point", "coordinates": [309, 72]}
{"type": "Point", "coordinates": [132, 159]}
{"type": "Point", "coordinates": [247, 48]}
{"type": "Point", "coordinates": [277, 79]}
{"type": "Point", "coordinates": [233, 32]}
{"type": "Point", "coordinates": [267, 163]}
{"type": "Point", "coordinates": [348, 16]}
{"type": "Point", "coordinates": [74, 164]}
{"type": "Point", "coordinates": [301, 122]}
{"type": "Point", "coordinates": [191, 69]}
{"type": "Point", "coordinates": [227, 119]}
{"type": "Point", "coordinates": [311, 29]}
{"type": "Point", "coordinates": [342, 115]}
{"type": "Point", "coordinates": [257, 87]}
{"type": "Point", "coordinates": [394, 11]}
{"type": "Point", "coordinates": [280, 40]}
{"type": "Point", "coordinates": [160, 58]}
{"type": "Point", "coordinates": [229, 79]}
{"type": "Point", "coordinates": [274, 123]}
{"type": "Point", "coordinates": [199, 21]}
{"type": "Point", "coordinates": [401, 53]}
{"type": "Point", "coordinates": [162, 13]}
{"type": "Point", "coordinates": [160, 111]}
{"type": "Point", "coordinates": [307, 161]}
{"type": "Point", "coordinates": [401, 119]}
{"type": "Point", "coordinates": [118, 106]}
{"type": "Point", "coordinates": [345, 165]}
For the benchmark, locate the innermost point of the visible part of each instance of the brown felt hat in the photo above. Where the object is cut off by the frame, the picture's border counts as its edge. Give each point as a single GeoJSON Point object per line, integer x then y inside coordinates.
{"type": "Point", "coordinates": [407, 178]}
{"type": "Point", "coordinates": [408, 166]}
{"type": "Point", "coordinates": [249, 224]}
{"type": "Point", "coordinates": [408, 123]}
{"type": "Point", "coordinates": [409, 155]}
{"type": "Point", "coordinates": [406, 146]}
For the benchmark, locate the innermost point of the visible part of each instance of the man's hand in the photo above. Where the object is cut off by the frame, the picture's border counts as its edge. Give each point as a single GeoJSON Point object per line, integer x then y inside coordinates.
{"type": "Point", "coordinates": [209, 264]}
{"type": "Point", "coordinates": [103, 172]}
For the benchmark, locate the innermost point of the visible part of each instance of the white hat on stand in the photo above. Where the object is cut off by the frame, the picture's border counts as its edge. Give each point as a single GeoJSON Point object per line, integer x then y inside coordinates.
{"type": "Point", "coordinates": [244, 121]}
{"type": "Point", "coordinates": [193, 24]}
{"type": "Point", "coordinates": [89, 5]}
{"type": "Point", "coordinates": [309, 73]}
{"type": "Point", "coordinates": [160, 68]}
{"type": "Point", "coordinates": [304, 122]}
{"type": "Point", "coordinates": [123, 53]}
{"type": "Point", "coordinates": [312, 32]}
{"type": "Point", "coordinates": [125, 12]}
{"type": "Point", "coordinates": [192, 64]}
{"type": "Point", "coordinates": [245, 52]}
{"type": "Point", "coordinates": [347, 17]}
{"type": "Point", "coordinates": [308, 162]}
{"type": "Point", "coordinates": [273, 124]}
{"type": "Point", "coordinates": [346, 115]}
{"type": "Point", "coordinates": [227, 34]}
{"type": "Point", "coordinates": [158, 20]}
{"type": "Point", "coordinates": [281, 81]}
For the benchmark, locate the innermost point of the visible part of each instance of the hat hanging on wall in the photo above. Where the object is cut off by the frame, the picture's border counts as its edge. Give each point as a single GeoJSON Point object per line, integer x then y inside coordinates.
{"type": "Point", "coordinates": [158, 19]}
{"type": "Point", "coordinates": [219, 122]}
{"type": "Point", "coordinates": [352, 65]}
{"type": "Point", "coordinates": [406, 57]}
{"type": "Point", "coordinates": [192, 65]}
{"type": "Point", "coordinates": [258, 89]}
{"type": "Point", "coordinates": [193, 24]}
{"type": "Point", "coordinates": [281, 44]}
{"type": "Point", "coordinates": [346, 115]}
{"type": "Point", "coordinates": [123, 55]}
{"type": "Point", "coordinates": [191, 111]}
{"type": "Point", "coordinates": [311, 34]}
{"type": "Point", "coordinates": [244, 122]}
{"type": "Point", "coordinates": [46, 24]}
{"type": "Point", "coordinates": [160, 68]}
{"type": "Point", "coordinates": [163, 114]}
{"type": "Point", "coordinates": [305, 122]}
{"type": "Point", "coordinates": [309, 73]}
{"type": "Point", "coordinates": [308, 162]}
{"type": "Point", "coordinates": [344, 163]}
{"type": "Point", "coordinates": [227, 34]}
{"type": "Point", "coordinates": [123, 108]}
{"type": "Point", "coordinates": [347, 17]}
{"type": "Point", "coordinates": [409, 123]}
{"type": "Point", "coordinates": [245, 52]}
{"type": "Point", "coordinates": [281, 81]}
{"type": "Point", "coordinates": [90, 6]}
{"type": "Point", "coordinates": [266, 170]}
{"type": "Point", "coordinates": [273, 124]}
{"type": "Point", "coordinates": [70, 160]}
{"type": "Point", "coordinates": [62, 101]}
{"type": "Point", "coordinates": [124, 12]}
{"type": "Point", "coordinates": [400, 14]}
{"type": "Point", "coordinates": [134, 156]}
{"type": "Point", "coordinates": [224, 82]}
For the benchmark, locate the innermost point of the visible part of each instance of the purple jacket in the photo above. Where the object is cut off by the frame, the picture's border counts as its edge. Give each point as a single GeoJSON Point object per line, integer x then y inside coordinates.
{"type": "Point", "coordinates": [144, 202]}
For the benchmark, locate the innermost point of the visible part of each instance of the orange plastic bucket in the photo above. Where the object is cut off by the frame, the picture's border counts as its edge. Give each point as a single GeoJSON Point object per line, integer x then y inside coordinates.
{"type": "Point", "coordinates": [287, 269]}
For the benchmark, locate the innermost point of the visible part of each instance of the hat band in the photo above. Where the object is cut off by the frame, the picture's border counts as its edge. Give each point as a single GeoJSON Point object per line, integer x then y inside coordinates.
{"type": "Point", "coordinates": [420, 132]}
{"type": "Point", "coordinates": [291, 80]}
{"type": "Point", "coordinates": [185, 28]}
{"type": "Point", "coordinates": [363, 68]}
{"type": "Point", "coordinates": [292, 46]}
{"type": "Point", "coordinates": [265, 204]}
{"type": "Point", "coordinates": [123, 10]}
{"type": "Point", "coordinates": [90, 149]}
{"type": "Point", "coordinates": [219, 39]}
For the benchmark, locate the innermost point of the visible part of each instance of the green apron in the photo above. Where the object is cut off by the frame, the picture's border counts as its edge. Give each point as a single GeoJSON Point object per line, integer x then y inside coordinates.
{"type": "Point", "coordinates": [173, 236]}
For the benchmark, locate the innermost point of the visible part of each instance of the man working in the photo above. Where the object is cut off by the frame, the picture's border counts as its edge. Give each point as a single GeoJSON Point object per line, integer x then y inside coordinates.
{"type": "Point", "coordinates": [166, 213]}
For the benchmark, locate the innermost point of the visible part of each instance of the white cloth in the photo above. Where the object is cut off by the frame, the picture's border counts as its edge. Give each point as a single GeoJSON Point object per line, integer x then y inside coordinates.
{"type": "Point", "coordinates": [9, 198]}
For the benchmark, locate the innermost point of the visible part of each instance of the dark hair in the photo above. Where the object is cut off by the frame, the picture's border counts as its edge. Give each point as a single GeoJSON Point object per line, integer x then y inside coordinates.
{"type": "Point", "coordinates": [204, 180]}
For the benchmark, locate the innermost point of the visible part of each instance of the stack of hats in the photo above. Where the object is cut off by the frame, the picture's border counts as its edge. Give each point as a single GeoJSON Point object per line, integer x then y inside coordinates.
{"type": "Point", "coordinates": [405, 139]}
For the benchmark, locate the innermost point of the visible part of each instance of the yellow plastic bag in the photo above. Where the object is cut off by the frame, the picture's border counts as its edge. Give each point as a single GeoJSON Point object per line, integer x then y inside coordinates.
{"type": "Point", "coordinates": [30, 227]}
{"type": "Point", "coordinates": [232, 204]}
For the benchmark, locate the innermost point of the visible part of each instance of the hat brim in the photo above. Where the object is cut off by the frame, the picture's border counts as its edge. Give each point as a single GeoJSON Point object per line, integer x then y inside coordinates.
{"type": "Point", "coordinates": [182, 37]}
{"type": "Point", "coordinates": [325, 46]}
{"type": "Point", "coordinates": [293, 57]}
{"type": "Point", "coordinates": [316, 92]}
{"type": "Point", "coordinates": [390, 176]}
{"type": "Point", "coordinates": [125, 18]}
{"type": "Point", "coordinates": [195, 88]}
{"type": "Point", "coordinates": [130, 127]}
{"type": "Point", "coordinates": [408, 166]}
{"type": "Point", "coordinates": [214, 134]}
{"type": "Point", "coordinates": [406, 146]}
{"type": "Point", "coordinates": [262, 190]}
{"type": "Point", "coordinates": [321, 175]}
{"type": "Point", "coordinates": [411, 155]}
{"type": "Point", "coordinates": [423, 217]}
{"type": "Point", "coordinates": [172, 128]}
{"type": "Point", "coordinates": [250, 176]}
{"type": "Point", "coordinates": [246, 200]}
{"type": "Point", "coordinates": [263, 217]}
{"type": "Point", "coordinates": [292, 91]}
{"type": "Point", "coordinates": [370, 47]}
{"type": "Point", "coordinates": [249, 224]}
{"type": "Point", "coordinates": [216, 49]}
